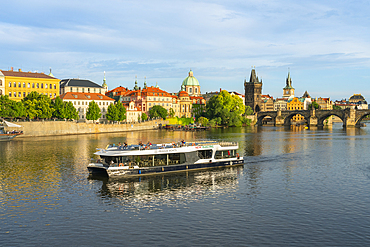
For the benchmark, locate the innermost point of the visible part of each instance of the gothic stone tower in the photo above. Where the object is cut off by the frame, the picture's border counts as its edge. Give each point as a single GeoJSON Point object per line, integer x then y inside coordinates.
{"type": "Point", "coordinates": [288, 90]}
{"type": "Point", "coordinates": [253, 91]}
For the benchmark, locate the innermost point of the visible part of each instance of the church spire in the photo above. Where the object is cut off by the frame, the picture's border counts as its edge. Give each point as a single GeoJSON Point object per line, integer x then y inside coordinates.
{"type": "Point", "coordinates": [105, 86]}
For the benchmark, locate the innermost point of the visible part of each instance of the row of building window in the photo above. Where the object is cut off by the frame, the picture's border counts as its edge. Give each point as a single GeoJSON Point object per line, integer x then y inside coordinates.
{"type": "Point", "coordinates": [87, 103]}
{"type": "Point", "coordinates": [14, 94]}
{"type": "Point", "coordinates": [33, 85]}
{"type": "Point", "coordinates": [83, 90]}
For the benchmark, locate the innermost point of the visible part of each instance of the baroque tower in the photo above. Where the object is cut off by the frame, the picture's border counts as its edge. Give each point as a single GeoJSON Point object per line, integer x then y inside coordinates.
{"type": "Point", "coordinates": [253, 91]}
{"type": "Point", "coordinates": [288, 90]}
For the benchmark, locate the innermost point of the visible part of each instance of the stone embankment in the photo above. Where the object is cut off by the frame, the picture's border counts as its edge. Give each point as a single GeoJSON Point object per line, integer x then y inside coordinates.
{"type": "Point", "coordinates": [50, 128]}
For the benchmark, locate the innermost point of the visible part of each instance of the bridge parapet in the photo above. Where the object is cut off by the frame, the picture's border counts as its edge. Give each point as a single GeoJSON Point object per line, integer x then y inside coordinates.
{"type": "Point", "coordinates": [350, 117]}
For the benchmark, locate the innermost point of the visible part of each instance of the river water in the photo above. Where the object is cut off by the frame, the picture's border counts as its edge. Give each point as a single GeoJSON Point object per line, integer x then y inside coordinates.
{"type": "Point", "coordinates": [298, 188]}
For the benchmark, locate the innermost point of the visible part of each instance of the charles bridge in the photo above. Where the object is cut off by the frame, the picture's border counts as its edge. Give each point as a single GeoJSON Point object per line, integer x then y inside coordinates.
{"type": "Point", "coordinates": [349, 117]}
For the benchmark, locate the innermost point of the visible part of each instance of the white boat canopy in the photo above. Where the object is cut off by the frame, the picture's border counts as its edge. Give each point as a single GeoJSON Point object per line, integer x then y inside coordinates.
{"type": "Point", "coordinates": [9, 124]}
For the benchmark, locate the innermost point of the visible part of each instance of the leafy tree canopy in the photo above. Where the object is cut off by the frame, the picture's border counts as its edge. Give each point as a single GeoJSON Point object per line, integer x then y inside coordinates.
{"type": "Point", "coordinates": [37, 105]}
{"type": "Point", "coordinates": [93, 111]}
{"type": "Point", "coordinates": [313, 104]}
{"type": "Point", "coordinates": [158, 111]}
{"type": "Point", "coordinates": [226, 109]}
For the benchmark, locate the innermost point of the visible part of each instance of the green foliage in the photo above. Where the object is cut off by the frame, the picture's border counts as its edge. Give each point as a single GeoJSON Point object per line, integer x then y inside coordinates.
{"type": "Point", "coordinates": [70, 111]}
{"type": "Point", "coordinates": [171, 113]}
{"type": "Point", "coordinates": [144, 117]}
{"type": "Point", "coordinates": [203, 121]}
{"type": "Point", "coordinates": [112, 113]}
{"type": "Point", "coordinates": [248, 110]}
{"type": "Point", "coordinates": [158, 111]}
{"type": "Point", "coordinates": [226, 109]}
{"type": "Point", "coordinates": [121, 111]}
{"type": "Point", "coordinates": [93, 111]}
{"type": "Point", "coordinates": [313, 104]}
{"type": "Point", "coordinates": [59, 109]}
{"type": "Point", "coordinates": [11, 108]}
{"type": "Point", "coordinates": [37, 105]}
{"type": "Point", "coordinates": [116, 112]}
{"type": "Point", "coordinates": [336, 107]}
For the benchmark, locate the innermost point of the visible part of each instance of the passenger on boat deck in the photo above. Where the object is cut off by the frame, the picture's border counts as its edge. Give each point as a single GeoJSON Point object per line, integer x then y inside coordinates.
{"type": "Point", "coordinates": [141, 143]}
{"type": "Point", "coordinates": [149, 144]}
{"type": "Point", "coordinates": [119, 144]}
{"type": "Point", "coordinates": [183, 142]}
{"type": "Point", "coordinates": [125, 144]}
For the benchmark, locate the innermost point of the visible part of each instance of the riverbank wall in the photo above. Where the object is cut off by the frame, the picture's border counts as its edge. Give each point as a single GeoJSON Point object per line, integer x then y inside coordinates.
{"type": "Point", "coordinates": [52, 128]}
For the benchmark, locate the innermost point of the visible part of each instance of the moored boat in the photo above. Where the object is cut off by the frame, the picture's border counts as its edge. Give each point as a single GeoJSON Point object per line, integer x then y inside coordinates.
{"type": "Point", "coordinates": [8, 135]}
{"type": "Point", "coordinates": [136, 160]}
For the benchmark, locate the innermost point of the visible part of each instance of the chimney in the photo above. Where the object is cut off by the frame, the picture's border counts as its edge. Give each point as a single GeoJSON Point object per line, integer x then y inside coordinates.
{"type": "Point", "coordinates": [11, 68]}
{"type": "Point", "coordinates": [220, 90]}
{"type": "Point", "coordinates": [19, 70]}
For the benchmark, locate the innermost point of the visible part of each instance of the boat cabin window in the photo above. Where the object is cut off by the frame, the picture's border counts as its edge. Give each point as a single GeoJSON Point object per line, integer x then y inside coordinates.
{"type": "Point", "coordinates": [146, 160]}
{"type": "Point", "coordinates": [205, 154]}
{"type": "Point", "coordinates": [225, 154]}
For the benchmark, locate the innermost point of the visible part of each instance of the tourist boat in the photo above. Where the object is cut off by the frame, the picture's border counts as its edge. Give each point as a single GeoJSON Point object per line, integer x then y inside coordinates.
{"type": "Point", "coordinates": [136, 160]}
{"type": "Point", "coordinates": [8, 135]}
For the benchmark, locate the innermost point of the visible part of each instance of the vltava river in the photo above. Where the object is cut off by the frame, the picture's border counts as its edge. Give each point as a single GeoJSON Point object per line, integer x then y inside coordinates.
{"type": "Point", "coordinates": [298, 188]}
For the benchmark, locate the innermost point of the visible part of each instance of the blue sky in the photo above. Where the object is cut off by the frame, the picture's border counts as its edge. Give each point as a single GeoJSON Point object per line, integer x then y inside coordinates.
{"type": "Point", "coordinates": [325, 44]}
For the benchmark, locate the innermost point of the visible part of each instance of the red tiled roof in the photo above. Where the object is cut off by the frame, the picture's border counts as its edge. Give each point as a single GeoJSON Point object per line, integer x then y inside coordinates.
{"type": "Point", "coordinates": [26, 74]}
{"type": "Point", "coordinates": [85, 96]}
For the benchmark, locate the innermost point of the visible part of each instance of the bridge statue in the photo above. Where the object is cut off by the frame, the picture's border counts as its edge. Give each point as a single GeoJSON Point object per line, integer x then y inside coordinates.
{"type": "Point", "coordinates": [350, 117]}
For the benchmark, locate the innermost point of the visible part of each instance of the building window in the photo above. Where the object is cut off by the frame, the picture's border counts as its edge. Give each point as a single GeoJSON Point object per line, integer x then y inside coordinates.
{"type": "Point", "coordinates": [50, 86]}
{"type": "Point", "coordinates": [10, 94]}
{"type": "Point", "coordinates": [15, 84]}
{"type": "Point", "coordinates": [10, 84]}
{"type": "Point", "coordinates": [46, 85]}
{"type": "Point", "coordinates": [55, 86]}
{"type": "Point", "coordinates": [42, 85]}
{"type": "Point", "coordinates": [196, 90]}
{"type": "Point", "coordinates": [37, 85]}
{"type": "Point", "coordinates": [24, 84]}
{"type": "Point", "coordinates": [51, 95]}
{"type": "Point", "coordinates": [28, 85]}
{"type": "Point", "coordinates": [1, 82]}
{"type": "Point", "coordinates": [15, 94]}
{"type": "Point", "coordinates": [24, 94]}
{"type": "Point", "coordinates": [190, 90]}
{"type": "Point", "coordinates": [19, 84]}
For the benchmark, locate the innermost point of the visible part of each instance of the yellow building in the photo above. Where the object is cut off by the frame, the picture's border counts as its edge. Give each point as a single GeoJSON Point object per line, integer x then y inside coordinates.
{"type": "Point", "coordinates": [293, 105]}
{"type": "Point", "coordinates": [18, 84]}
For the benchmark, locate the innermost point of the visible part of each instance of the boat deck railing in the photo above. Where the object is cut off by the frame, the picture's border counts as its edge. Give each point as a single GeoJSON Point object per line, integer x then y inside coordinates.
{"type": "Point", "coordinates": [115, 147]}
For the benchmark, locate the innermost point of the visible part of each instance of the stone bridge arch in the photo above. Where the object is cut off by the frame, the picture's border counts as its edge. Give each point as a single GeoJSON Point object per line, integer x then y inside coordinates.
{"type": "Point", "coordinates": [288, 115]}
{"type": "Point", "coordinates": [262, 115]}
{"type": "Point", "coordinates": [323, 114]}
{"type": "Point", "coordinates": [360, 114]}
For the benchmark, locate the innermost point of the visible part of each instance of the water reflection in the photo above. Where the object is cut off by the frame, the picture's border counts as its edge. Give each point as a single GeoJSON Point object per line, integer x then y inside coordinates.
{"type": "Point", "coordinates": [169, 189]}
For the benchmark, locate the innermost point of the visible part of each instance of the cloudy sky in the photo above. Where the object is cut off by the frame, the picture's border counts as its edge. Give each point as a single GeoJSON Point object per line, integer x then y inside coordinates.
{"type": "Point", "coordinates": [324, 44]}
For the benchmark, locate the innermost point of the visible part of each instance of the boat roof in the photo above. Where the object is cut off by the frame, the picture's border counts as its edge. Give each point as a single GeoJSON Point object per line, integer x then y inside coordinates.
{"type": "Point", "coordinates": [119, 150]}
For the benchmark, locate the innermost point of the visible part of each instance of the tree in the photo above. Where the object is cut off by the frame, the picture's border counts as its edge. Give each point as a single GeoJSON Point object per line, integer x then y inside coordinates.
{"type": "Point", "coordinates": [336, 107]}
{"type": "Point", "coordinates": [248, 110]}
{"type": "Point", "coordinates": [93, 111]}
{"type": "Point", "coordinates": [158, 111]}
{"type": "Point", "coordinates": [226, 109]}
{"type": "Point", "coordinates": [10, 108]}
{"type": "Point", "coordinates": [203, 121]}
{"type": "Point", "coordinates": [70, 111]}
{"type": "Point", "coordinates": [121, 111]}
{"type": "Point", "coordinates": [144, 117]}
{"type": "Point", "coordinates": [59, 108]}
{"type": "Point", "coordinates": [171, 113]}
{"type": "Point", "coordinates": [37, 105]}
{"type": "Point", "coordinates": [112, 113]}
{"type": "Point", "coordinates": [314, 104]}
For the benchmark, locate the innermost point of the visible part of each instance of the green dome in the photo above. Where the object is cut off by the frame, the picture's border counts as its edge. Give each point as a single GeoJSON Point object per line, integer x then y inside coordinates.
{"type": "Point", "coordinates": [190, 80]}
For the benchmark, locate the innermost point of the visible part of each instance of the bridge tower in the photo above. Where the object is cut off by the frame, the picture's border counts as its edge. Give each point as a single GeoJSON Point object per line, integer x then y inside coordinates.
{"type": "Point", "coordinates": [253, 91]}
{"type": "Point", "coordinates": [288, 90]}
